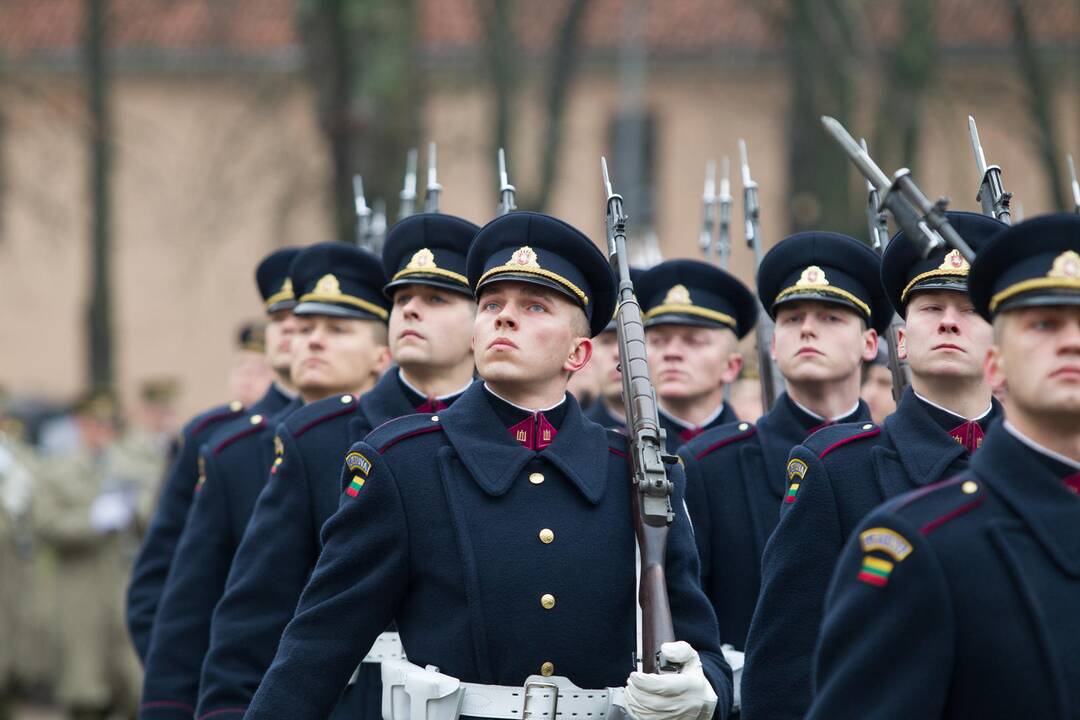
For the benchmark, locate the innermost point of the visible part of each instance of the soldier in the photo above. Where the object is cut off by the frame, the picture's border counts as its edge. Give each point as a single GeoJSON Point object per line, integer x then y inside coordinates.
{"type": "Point", "coordinates": [155, 557]}
{"type": "Point", "coordinates": [508, 556]}
{"type": "Point", "coordinates": [877, 386]}
{"type": "Point", "coordinates": [694, 316]}
{"type": "Point", "coordinates": [430, 328]}
{"type": "Point", "coordinates": [340, 348]}
{"type": "Point", "coordinates": [822, 290]}
{"type": "Point", "coordinates": [959, 600]}
{"type": "Point", "coordinates": [250, 375]}
{"type": "Point", "coordinates": [841, 473]}
{"type": "Point", "coordinates": [85, 521]}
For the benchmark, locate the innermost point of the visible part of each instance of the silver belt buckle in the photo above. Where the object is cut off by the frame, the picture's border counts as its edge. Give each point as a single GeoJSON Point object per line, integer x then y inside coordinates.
{"type": "Point", "coordinates": [529, 684]}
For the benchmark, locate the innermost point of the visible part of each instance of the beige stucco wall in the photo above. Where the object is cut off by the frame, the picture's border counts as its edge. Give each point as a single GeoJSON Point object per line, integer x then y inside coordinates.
{"type": "Point", "coordinates": [210, 174]}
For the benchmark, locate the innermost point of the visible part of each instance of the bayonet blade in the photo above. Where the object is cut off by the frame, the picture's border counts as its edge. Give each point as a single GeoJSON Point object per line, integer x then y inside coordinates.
{"type": "Point", "coordinates": [1075, 185]}
{"type": "Point", "coordinates": [976, 147]}
{"type": "Point", "coordinates": [862, 159]}
{"type": "Point", "coordinates": [358, 196]}
{"type": "Point", "coordinates": [725, 179]}
{"type": "Point", "coordinates": [744, 160]}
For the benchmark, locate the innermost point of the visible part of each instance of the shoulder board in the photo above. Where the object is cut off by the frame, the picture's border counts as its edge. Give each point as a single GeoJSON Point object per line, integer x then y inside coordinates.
{"type": "Point", "coordinates": [255, 423]}
{"type": "Point", "coordinates": [205, 420]}
{"type": "Point", "coordinates": [931, 507]}
{"type": "Point", "coordinates": [318, 412]}
{"type": "Point", "coordinates": [392, 432]}
{"type": "Point", "coordinates": [834, 437]}
{"type": "Point", "coordinates": [719, 437]}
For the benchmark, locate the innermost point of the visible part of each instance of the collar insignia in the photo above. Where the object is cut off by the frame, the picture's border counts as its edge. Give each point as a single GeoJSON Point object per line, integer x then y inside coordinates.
{"type": "Point", "coordinates": [678, 295]}
{"type": "Point", "coordinates": [525, 257]}
{"type": "Point", "coordinates": [328, 285]}
{"type": "Point", "coordinates": [422, 259]}
{"type": "Point", "coordinates": [812, 276]}
{"type": "Point", "coordinates": [1066, 265]}
{"type": "Point", "coordinates": [955, 262]}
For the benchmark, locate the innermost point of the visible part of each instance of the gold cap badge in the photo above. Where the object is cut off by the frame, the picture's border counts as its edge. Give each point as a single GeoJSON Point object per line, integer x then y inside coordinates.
{"type": "Point", "coordinates": [286, 287]}
{"type": "Point", "coordinates": [1066, 265]}
{"type": "Point", "coordinates": [422, 259]}
{"type": "Point", "coordinates": [812, 276]}
{"type": "Point", "coordinates": [328, 285]}
{"type": "Point", "coordinates": [954, 262]}
{"type": "Point", "coordinates": [678, 295]}
{"type": "Point", "coordinates": [525, 257]}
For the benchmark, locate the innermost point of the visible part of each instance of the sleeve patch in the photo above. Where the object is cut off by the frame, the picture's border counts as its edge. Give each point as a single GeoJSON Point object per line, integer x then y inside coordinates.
{"type": "Point", "coordinates": [875, 571]}
{"type": "Point", "coordinates": [279, 454]}
{"type": "Point", "coordinates": [359, 467]}
{"type": "Point", "coordinates": [887, 541]}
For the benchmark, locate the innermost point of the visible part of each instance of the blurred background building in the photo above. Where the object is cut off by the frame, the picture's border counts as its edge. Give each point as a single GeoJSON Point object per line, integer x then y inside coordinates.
{"type": "Point", "coordinates": [152, 150]}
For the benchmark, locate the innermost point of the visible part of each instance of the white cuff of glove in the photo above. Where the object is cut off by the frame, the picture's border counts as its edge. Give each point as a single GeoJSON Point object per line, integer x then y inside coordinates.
{"type": "Point", "coordinates": [110, 511]}
{"type": "Point", "coordinates": [685, 695]}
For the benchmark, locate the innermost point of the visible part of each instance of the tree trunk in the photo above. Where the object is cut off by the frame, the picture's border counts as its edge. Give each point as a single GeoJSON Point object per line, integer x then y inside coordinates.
{"type": "Point", "coordinates": [99, 307]}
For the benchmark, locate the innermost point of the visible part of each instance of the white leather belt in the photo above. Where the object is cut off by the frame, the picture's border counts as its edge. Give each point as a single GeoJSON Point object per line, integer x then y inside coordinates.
{"type": "Point", "coordinates": [411, 692]}
{"type": "Point", "coordinates": [387, 647]}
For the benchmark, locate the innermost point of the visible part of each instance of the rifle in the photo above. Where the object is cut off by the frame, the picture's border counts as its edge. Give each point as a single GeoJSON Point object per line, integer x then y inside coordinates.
{"type": "Point", "coordinates": [507, 193]}
{"type": "Point", "coordinates": [995, 201]}
{"type": "Point", "coordinates": [771, 381]}
{"type": "Point", "coordinates": [408, 193]}
{"type": "Point", "coordinates": [1075, 185]}
{"type": "Point", "coordinates": [431, 195]}
{"type": "Point", "coordinates": [708, 214]}
{"type": "Point", "coordinates": [923, 222]}
{"type": "Point", "coordinates": [651, 486]}
{"type": "Point", "coordinates": [723, 246]}
{"type": "Point", "coordinates": [363, 214]}
{"type": "Point", "coordinates": [878, 223]}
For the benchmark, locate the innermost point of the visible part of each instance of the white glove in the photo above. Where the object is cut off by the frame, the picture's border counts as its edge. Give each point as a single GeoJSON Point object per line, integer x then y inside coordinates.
{"type": "Point", "coordinates": [110, 511]}
{"type": "Point", "coordinates": [685, 695]}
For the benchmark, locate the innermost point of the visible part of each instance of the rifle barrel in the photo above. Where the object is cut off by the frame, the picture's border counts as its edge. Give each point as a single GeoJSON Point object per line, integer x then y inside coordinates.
{"type": "Point", "coordinates": [1075, 185]}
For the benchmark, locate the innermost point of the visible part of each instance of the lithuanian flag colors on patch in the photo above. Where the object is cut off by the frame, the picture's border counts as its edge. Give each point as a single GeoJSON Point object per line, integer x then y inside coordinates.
{"type": "Point", "coordinates": [875, 571]}
{"type": "Point", "coordinates": [791, 493]}
{"type": "Point", "coordinates": [355, 486]}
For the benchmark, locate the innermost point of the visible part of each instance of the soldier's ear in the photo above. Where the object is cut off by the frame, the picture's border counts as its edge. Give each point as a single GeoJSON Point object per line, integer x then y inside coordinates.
{"type": "Point", "coordinates": [870, 341]}
{"type": "Point", "coordinates": [994, 370]}
{"type": "Point", "coordinates": [901, 342]}
{"type": "Point", "coordinates": [579, 356]}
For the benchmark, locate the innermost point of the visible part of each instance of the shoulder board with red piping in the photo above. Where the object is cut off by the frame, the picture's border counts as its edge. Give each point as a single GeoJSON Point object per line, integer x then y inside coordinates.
{"type": "Point", "coordinates": [314, 414]}
{"type": "Point", "coordinates": [255, 423]}
{"type": "Point", "coordinates": [833, 437]}
{"type": "Point", "coordinates": [398, 430]}
{"type": "Point", "coordinates": [215, 415]}
{"type": "Point", "coordinates": [717, 438]}
{"type": "Point", "coordinates": [933, 506]}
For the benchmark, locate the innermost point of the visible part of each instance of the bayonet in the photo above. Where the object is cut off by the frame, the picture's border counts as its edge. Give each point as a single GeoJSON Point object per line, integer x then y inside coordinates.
{"type": "Point", "coordinates": [408, 193]}
{"type": "Point", "coordinates": [378, 225]}
{"type": "Point", "coordinates": [769, 375]}
{"type": "Point", "coordinates": [431, 194]}
{"type": "Point", "coordinates": [507, 193]}
{"type": "Point", "coordinates": [992, 196]}
{"type": "Point", "coordinates": [1074, 184]}
{"type": "Point", "coordinates": [877, 221]}
{"type": "Point", "coordinates": [363, 214]}
{"type": "Point", "coordinates": [708, 217]}
{"type": "Point", "coordinates": [723, 243]}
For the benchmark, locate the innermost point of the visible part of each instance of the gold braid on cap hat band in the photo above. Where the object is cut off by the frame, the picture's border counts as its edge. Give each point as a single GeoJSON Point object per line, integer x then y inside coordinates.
{"type": "Point", "coordinates": [525, 270]}
{"type": "Point", "coordinates": [1043, 283]}
{"type": "Point", "coordinates": [680, 309]}
{"type": "Point", "coordinates": [824, 290]}
{"type": "Point", "coordinates": [937, 272]}
{"type": "Point", "coordinates": [347, 300]}
{"type": "Point", "coordinates": [431, 271]}
{"type": "Point", "coordinates": [280, 296]}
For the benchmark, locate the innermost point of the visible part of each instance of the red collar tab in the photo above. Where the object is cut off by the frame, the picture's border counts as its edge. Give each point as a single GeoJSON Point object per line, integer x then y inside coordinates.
{"type": "Point", "coordinates": [431, 405]}
{"type": "Point", "coordinates": [534, 432]}
{"type": "Point", "coordinates": [1073, 482]}
{"type": "Point", "coordinates": [969, 434]}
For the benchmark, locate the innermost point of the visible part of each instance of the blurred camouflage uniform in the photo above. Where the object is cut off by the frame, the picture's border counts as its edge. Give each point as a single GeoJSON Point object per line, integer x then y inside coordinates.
{"type": "Point", "coordinates": [16, 487]}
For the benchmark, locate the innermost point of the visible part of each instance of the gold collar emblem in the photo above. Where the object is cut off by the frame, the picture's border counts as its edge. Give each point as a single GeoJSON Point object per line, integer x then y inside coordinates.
{"type": "Point", "coordinates": [955, 262]}
{"type": "Point", "coordinates": [422, 259]}
{"type": "Point", "coordinates": [328, 285]}
{"type": "Point", "coordinates": [812, 276]}
{"type": "Point", "coordinates": [1066, 265]}
{"type": "Point", "coordinates": [525, 257]}
{"type": "Point", "coordinates": [678, 295]}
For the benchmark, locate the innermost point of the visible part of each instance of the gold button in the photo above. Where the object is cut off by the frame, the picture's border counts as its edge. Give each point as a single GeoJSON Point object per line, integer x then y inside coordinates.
{"type": "Point", "coordinates": [346, 399]}
{"type": "Point", "coordinates": [547, 536]}
{"type": "Point", "coordinates": [867, 426]}
{"type": "Point", "coordinates": [547, 600]}
{"type": "Point", "coordinates": [236, 406]}
{"type": "Point", "coordinates": [547, 669]}
{"type": "Point", "coordinates": [536, 478]}
{"type": "Point", "coordinates": [970, 487]}
{"type": "Point", "coordinates": [744, 426]}
{"type": "Point", "coordinates": [256, 419]}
